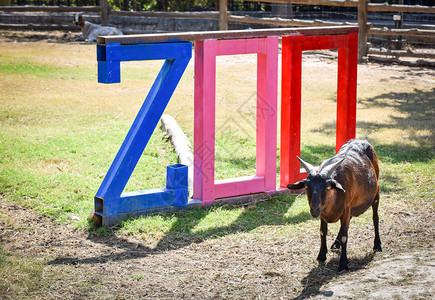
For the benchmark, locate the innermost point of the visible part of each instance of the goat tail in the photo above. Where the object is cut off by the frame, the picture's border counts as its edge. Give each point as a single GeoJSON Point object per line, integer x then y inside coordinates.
{"type": "Point", "coordinates": [374, 159]}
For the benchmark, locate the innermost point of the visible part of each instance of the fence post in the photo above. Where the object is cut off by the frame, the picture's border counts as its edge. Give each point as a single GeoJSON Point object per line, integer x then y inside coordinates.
{"type": "Point", "coordinates": [362, 23]}
{"type": "Point", "coordinates": [104, 12]}
{"type": "Point", "coordinates": [223, 14]}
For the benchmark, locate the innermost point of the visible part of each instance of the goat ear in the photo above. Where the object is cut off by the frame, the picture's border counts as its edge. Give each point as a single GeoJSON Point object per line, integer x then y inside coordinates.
{"type": "Point", "coordinates": [296, 186]}
{"type": "Point", "coordinates": [337, 185]}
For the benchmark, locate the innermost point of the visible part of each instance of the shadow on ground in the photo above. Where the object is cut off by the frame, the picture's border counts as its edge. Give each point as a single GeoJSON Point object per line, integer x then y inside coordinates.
{"type": "Point", "coordinates": [272, 212]}
{"type": "Point", "coordinates": [324, 273]}
{"type": "Point", "coordinates": [417, 107]}
{"type": "Point", "coordinates": [182, 233]}
{"type": "Point", "coordinates": [36, 36]}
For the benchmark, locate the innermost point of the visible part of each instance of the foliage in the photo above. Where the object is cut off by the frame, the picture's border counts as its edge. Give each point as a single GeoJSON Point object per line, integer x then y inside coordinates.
{"type": "Point", "coordinates": [163, 5]}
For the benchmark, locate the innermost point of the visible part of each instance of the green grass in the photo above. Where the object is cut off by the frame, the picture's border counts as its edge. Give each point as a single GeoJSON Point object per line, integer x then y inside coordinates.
{"type": "Point", "coordinates": [60, 131]}
{"type": "Point", "coordinates": [47, 71]}
{"type": "Point", "coordinates": [196, 225]}
{"type": "Point", "coordinates": [59, 176]}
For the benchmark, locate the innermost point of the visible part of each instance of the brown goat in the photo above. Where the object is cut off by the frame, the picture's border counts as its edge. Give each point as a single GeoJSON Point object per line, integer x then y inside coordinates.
{"type": "Point", "coordinates": [345, 186]}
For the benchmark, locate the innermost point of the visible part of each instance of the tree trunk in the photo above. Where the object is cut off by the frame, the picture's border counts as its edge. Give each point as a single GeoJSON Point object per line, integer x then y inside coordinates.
{"type": "Point", "coordinates": [161, 5]}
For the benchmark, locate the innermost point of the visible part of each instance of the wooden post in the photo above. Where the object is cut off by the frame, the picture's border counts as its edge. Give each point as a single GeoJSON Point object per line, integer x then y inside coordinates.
{"type": "Point", "coordinates": [362, 23]}
{"type": "Point", "coordinates": [291, 84]}
{"type": "Point", "coordinates": [205, 187]}
{"type": "Point", "coordinates": [347, 91]}
{"type": "Point", "coordinates": [104, 12]}
{"type": "Point", "coordinates": [204, 121]}
{"type": "Point", "coordinates": [292, 48]}
{"type": "Point", "coordinates": [223, 14]}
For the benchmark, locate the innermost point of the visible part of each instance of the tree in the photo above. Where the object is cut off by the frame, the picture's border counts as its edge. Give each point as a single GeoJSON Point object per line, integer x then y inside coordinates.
{"type": "Point", "coordinates": [161, 5]}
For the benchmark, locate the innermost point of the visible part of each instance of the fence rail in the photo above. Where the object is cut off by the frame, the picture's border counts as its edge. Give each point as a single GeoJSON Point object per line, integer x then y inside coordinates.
{"type": "Point", "coordinates": [50, 8]}
{"type": "Point", "coordinates": [346, 3]}
{"type": "Point", "coordinates": [372, 7]}
{"type": "Point", "coordinates": [403, 32]}
{"type": "Point", "coordinates": [363, 9]}
{"type": "Point", "coordinates": [162, 14]}
{"type": "Point", "coordinates": [402, 53]}
{"type": "Point", "coordinates": [284, 22]}
{"type": "Point", "coordinates": [385, 7]}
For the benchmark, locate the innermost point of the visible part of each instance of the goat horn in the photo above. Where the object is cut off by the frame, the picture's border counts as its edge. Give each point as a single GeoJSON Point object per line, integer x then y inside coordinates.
{"type": "Point", "coordinates": [76, 18]}
{"type": "Point", "coordinates": [329, 169]}
{"type": "Point", "coordinates": [309, 168]}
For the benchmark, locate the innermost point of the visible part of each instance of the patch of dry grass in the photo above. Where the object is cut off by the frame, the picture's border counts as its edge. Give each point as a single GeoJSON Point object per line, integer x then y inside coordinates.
{"type": "Point", "coordinates": [60, 130]}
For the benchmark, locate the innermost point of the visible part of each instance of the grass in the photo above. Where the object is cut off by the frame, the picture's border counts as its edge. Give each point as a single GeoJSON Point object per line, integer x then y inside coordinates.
{"type": "Point", "coordinates": [197, 225]}
{"type": "Point", "coordinates": [21, 276]}
{"type": "Point", "coordinates": [60, 130]}
{"type": "Point", "coordinates": [51, 152]}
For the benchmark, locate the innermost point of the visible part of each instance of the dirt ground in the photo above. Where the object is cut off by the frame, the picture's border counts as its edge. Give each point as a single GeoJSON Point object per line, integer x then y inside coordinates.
{"type": "Point", "coordinates": [98, 267]}
{"type": "Point", "coordinates": [80, 265]}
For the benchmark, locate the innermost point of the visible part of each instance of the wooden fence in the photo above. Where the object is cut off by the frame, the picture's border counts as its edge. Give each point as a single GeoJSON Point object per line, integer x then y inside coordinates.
{"type": "Point", "coordinates": [363, 6]}
{"type": "Point", "coordinates": [225, 16]}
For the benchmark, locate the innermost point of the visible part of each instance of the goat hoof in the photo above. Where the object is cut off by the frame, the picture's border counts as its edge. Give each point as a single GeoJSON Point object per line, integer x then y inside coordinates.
{"type": "Point", "coordinates": [321, 257]}
{"type": "Point", "coordinates": [343, 268]}
{"type": "Point", "coordinates": [343, 265]}
{"type": "Point", "coordinates": [377, 248]}
{"type": "Point", "coordinates": [336, 245]}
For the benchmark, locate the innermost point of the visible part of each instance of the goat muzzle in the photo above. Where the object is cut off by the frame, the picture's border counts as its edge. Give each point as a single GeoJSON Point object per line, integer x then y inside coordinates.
{"type": "Point", "coordinates": [315, 212]}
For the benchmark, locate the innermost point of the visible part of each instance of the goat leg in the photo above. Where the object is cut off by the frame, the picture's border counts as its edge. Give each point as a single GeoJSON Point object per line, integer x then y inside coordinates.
{"type": "Point", "coordinates": [343, 234]}
{"type": "Point", "coordinates": [377, 245]}
{"type": "Point", "coordinates": [337, 244]}
{"type": "Point", "coordinates": [323, 232]}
